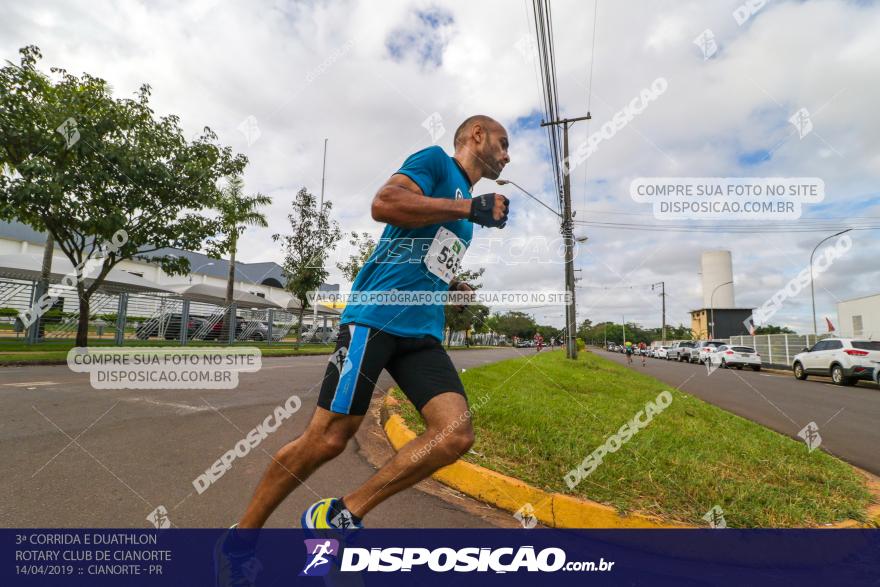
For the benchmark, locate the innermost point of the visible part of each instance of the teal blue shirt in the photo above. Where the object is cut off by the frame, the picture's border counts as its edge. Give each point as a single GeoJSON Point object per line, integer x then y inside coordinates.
{"type": "Point", "coordinates": [398, 262]}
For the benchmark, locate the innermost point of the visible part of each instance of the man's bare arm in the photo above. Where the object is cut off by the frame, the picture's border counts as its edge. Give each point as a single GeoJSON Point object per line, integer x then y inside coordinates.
{"type": "Point", "coordinates": [400, 202]}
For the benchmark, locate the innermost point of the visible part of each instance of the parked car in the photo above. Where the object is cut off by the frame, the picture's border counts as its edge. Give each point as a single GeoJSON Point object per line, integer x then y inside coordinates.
{"type": "Point", "coordinates": [703, 347]}
{"type": "Point", "coordinates": [171, 327]}
{"type": "Point", "coordinates": [320, 334]}
{"type": "Point", "coordinates": [845, 360]}
{"type": "Point", "coordinates": [680, 350]}
{"type": "Point", "coordinates": [522, 344]}
{"type": "Point", "coordinates": [661, 352]}
{"type": "Point", "coordinates": [726, 356]}
{"type": "Point", "coordinates": [254, 330]}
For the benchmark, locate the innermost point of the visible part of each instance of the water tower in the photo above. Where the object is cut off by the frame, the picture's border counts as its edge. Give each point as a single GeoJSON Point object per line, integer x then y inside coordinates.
{"type": "Point", "coordinates": [719, 317]}
{"type": "Point", "coordinates": [717, 270]}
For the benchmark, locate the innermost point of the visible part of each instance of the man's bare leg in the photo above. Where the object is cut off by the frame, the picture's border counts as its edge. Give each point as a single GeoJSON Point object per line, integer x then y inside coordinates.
{"type": "Point", "coordinates": [324, 439]}
{"type": "Point", "coordinates": [448, 425]}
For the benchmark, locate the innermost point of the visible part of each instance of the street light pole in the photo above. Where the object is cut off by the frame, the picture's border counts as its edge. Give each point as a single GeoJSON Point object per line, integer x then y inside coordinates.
{"type": "Point", "coordinates": [712, 306]}
{"type": "Point", "coordinates": [323, 175]}
{"type": "Point", "coordinates": [812, 290]}
{"type": "Point", "coordinates": [196, 270]}
{"type": "Point", "coordinates": [662, 285]}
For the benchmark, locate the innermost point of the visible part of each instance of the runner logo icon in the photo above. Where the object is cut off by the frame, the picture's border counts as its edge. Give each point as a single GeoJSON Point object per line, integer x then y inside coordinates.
{"type": "Point", "coordinates": [320, 552]}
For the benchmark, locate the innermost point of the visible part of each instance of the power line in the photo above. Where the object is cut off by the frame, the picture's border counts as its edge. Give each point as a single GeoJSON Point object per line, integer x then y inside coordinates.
{"type": "Point", "coordinates": [752, 229]}
{"type": "Point", "coordinates": [547, 64]}
{"type": "Point", "coordinates": [590, 89]}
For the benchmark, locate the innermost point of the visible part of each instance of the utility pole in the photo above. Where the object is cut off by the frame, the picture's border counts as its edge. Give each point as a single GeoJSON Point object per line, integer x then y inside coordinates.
{"type": "Point", "coordinates": [623, 323]}
{"type": "Point", "coordinates": [568, 236]}
{"type": "Point", "coordinates": [320, 211]}
{"type": "Point", "coordinates": [662, 285]}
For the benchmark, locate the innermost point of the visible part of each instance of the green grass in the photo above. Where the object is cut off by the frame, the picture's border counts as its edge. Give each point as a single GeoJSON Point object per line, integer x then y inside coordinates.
{"type": "Point", "coordinates": [55, 352]}
{"type": "Point", "coordinates": [537, 417]}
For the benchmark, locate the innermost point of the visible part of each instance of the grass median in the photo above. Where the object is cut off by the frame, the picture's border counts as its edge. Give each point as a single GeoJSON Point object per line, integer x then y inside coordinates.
{"type": "Point", "coordinates": [55, 352]}
{"type": "Point", "coordinates": [536, 418]}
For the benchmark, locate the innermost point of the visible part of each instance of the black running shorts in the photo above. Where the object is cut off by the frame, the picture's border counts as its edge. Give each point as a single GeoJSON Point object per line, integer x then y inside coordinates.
{"type": "Point", "coordinates": [420, 366]}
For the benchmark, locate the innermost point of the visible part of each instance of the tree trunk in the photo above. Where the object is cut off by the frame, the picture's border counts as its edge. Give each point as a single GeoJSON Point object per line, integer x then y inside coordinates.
{"type": "Point", "coordinates": [230, 281]}
{"type": "Point", "coordinates": [299, 326]}
{"type": "Point", "coordinates": [82, 330]}
{"type": "Point", "coordinates": [230, 287]}
{"type": "Point", "coordinates": [43, 284]}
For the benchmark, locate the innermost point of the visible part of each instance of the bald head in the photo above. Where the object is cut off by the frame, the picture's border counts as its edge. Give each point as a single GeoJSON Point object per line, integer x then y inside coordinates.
{"type": "Point", "coordinates": [481, 145]}
{"type": "Point", "coordinates": [466, 128]}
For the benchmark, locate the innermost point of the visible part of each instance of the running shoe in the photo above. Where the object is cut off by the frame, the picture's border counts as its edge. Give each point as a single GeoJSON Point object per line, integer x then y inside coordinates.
{"type": "Point", "coordinates": [235, 562]}
{"type": "Point", "coordinates": [318, 517]}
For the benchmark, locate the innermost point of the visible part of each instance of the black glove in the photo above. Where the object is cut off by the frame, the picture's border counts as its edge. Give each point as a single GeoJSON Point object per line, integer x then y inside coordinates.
{"type": "Point", "coordinates": [481, 211]}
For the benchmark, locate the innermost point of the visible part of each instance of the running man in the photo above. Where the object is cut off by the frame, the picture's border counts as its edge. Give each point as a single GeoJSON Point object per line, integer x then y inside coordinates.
{"type": "Point", "coordinates": [643, 351]}
{"type": "Point", "coordinates": [429, 212]}
{"type": "Point", "coordinates": [319, 552]}
{"type": "Point", "coordinates": [629, 353]}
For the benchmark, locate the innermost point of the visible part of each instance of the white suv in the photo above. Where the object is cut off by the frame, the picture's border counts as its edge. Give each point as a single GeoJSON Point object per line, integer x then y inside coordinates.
{"type": "Point", "coordinates": [845, 360]}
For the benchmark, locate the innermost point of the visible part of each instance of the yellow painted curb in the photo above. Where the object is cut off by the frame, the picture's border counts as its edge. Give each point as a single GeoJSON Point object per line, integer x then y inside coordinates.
{"type": "Point", "coordinates": [554, 509]}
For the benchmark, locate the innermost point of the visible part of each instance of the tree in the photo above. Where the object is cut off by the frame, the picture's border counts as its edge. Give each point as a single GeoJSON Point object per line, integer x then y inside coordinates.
{"type": "Point", "coordinates": [613, 332]}
{"type": "Point", "coordinates": [472, 316]}
{"type": "Point", "coordinates": [87, 167]}
{"type": "Point", "coordinates": [236, 211]}
{"type": "Point", "coordinates": [364, 244]}
{"type": "Point", "coordinates": [463, 318]}
{"type": "Point", "coordinates": [515, 323]}
{"type": "Point", "coordinates": [312, 235]}
{"type": "Point", "coordinates": [549, 332]}
{"type": "Point", "coordinates": [771, 329]}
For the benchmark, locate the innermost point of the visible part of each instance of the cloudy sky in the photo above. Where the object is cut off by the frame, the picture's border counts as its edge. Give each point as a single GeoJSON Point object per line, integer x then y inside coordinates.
{"type": "Point", "coordinates": [274, 79]}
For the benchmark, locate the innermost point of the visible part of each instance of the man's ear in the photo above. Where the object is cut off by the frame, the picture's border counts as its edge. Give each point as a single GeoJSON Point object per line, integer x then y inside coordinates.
{"type": "Point", "coordinates": [479, 133]}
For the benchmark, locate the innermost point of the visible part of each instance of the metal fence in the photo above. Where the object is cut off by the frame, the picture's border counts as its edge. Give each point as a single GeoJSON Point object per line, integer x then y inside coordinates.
{"type": "Point", "coordinates": [777, 350]}
{"type": "Point", "coordinates": [130, 318]}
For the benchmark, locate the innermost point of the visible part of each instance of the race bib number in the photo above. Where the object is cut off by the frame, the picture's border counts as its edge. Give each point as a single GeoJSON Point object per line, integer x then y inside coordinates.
{"type": "Point", "coordinates": [444, 255]}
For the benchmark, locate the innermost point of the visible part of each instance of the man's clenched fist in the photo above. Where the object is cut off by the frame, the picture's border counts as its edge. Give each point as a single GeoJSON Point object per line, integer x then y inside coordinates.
{"type": "Point", "coordinates": [489, 210]}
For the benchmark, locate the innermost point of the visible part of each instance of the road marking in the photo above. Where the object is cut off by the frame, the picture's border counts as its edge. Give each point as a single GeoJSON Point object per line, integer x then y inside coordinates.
{"type": "Point", "coordinates": [31, 384]}
{"type": "Point", "coordinates": [174, 405]}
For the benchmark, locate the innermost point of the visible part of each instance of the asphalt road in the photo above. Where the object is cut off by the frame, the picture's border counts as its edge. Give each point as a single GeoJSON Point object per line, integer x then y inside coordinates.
{"type": "Point", "coordinates": [848, 418]}
{"type": "Point", "coordinates": [74, 456]}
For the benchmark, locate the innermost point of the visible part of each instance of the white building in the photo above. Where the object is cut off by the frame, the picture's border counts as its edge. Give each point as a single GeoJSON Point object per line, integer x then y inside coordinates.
{"type": "Point", "coordinates": [264, 280]}
{"type": "Point", "coordinates": [859, 317]}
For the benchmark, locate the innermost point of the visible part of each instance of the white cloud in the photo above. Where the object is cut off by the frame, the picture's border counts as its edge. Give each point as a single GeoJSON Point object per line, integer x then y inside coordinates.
{"type": "Point", "coordinates": [308, 70]}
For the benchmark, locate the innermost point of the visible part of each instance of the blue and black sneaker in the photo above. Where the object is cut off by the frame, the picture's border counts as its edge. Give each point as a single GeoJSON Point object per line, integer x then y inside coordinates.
{"type": "Point", "coordinates": [235, 561]}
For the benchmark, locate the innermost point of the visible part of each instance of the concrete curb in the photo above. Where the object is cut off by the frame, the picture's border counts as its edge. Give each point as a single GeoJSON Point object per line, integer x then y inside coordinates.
{"type": "Point", "coordinates": [556, 510]}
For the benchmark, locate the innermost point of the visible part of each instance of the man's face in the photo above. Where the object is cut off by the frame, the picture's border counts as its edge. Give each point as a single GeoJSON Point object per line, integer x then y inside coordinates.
{"type": "Point", "coordinates": [493, 150]}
